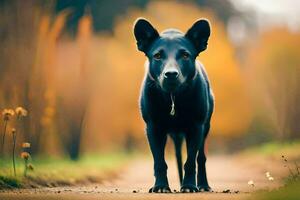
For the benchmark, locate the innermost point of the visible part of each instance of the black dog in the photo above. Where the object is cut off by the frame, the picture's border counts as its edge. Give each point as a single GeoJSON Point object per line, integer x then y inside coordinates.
{"type": "Point", "coordinates": [176, 99]}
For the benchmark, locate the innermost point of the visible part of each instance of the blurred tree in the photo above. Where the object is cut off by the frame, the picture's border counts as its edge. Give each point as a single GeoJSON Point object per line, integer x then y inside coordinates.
{"type": "Point", "coordinates": [29, 37]}
{"type": "Point", "coordinates": [223, 9]}
{"type": "Point", "coordinates": [18, 58]}
{"type": "Point", "coordinates": [105, 12]}
{"type": "Point", "coordinates": [73, 106]}
{"type": "Point", "coordinates": [273, 64]}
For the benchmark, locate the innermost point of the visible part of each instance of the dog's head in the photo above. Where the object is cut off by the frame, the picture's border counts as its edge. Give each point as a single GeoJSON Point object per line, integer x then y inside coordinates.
{"type": "Point", "coordinates": [171, 54]}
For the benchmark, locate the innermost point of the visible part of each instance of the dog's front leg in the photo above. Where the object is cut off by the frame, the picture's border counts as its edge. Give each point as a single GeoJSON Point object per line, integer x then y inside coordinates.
{"type": "Point", "coordinates": [192, 142]}
{"type": "Point", "coordinates": [157, 141]}
{"type": "Point", "coordinates": [201, 161]}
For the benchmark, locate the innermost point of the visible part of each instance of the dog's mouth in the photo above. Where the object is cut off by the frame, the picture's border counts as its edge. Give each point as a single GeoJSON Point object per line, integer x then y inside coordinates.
{"type": "Point", "coordinates": [170, 86]}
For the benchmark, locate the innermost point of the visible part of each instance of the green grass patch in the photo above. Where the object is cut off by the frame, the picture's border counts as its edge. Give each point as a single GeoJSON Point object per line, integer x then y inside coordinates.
{"type": "Point", "coordinates": [51, 172]}
{"type": "Point", "coordinates": [275, 149]}
{"type": "Point", "coordinates": [9, 182]}
{"type": "Point", "coordinates": [288, 192]}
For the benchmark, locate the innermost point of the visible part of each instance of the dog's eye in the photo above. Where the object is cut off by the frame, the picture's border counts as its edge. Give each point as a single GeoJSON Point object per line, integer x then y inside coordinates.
{"type": "Point", "coordinates": [157, 56]}
{"type": "Point", "coordinates": [185, 55]}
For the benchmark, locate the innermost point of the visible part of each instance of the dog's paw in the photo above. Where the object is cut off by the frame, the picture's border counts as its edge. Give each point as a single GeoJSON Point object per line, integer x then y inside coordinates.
{"type": "Point", "coordinates": [188, 189]}
{"type": "Point", "coordinates": [205, 188]}
{"type": "Point", "coordinates": [160, 189]}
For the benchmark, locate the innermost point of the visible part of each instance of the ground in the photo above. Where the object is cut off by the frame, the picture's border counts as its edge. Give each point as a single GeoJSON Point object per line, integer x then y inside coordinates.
{"type": "Point", "coordinates": [228, 176]}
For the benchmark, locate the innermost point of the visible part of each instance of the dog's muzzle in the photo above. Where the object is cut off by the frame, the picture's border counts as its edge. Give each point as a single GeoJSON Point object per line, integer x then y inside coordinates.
{"type": "Point", "coordinates": [170, 80]}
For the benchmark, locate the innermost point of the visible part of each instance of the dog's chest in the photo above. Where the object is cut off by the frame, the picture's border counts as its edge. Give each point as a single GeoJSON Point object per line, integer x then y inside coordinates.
{"type": "Point", "coordinates": [183, 110]}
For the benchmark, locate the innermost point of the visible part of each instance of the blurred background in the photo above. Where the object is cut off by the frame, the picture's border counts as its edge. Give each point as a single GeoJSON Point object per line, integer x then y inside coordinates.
{"type": "Point", "coordinates": [73, 64]}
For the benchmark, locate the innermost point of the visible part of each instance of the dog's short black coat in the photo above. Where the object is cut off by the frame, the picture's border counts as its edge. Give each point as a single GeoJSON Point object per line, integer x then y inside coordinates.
{"type": "Point", "coordinates": [175, 77]}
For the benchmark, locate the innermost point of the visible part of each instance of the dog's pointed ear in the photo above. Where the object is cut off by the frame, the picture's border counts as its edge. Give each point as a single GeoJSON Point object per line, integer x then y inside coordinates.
{"type": "Point", "coordinates": [198, 34]}
{"type": "Point", "coordinates": [144, 34]}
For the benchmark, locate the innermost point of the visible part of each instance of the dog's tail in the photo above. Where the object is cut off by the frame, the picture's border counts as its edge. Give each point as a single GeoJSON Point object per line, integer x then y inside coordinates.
{"type": "Point", "coordinates": [178, 140]}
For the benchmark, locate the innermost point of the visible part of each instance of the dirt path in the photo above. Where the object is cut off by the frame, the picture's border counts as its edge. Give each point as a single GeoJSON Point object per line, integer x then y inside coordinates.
{"type": "Point", "coordinates": [224, 173]}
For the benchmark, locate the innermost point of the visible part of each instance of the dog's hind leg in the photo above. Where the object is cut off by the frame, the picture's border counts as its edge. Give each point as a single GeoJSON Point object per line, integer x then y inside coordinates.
{"type": "Point", "coordinates": [178, 140]}
{"type": "Point", "coordinates": [157, 141]}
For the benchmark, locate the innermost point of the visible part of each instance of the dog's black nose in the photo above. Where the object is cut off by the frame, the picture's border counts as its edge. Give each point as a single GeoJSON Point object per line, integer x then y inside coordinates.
{"type": "Point", "coordinates": [171, 74]}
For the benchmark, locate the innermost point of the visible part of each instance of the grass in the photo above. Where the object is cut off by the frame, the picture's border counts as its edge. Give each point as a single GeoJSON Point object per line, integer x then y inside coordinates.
{"type": "Point", "coordinates": [288, 192]}
{"type": "Point", "coordinates": [9, 182]}
{"type": "Point", "coordinates": [51, 172]}
{"type": "Point", "coordinates": [276, 149]}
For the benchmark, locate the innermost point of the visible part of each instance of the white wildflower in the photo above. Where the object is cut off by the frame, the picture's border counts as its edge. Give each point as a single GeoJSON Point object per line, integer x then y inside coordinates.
{"type": "Point", "coordinates": [251, 182]}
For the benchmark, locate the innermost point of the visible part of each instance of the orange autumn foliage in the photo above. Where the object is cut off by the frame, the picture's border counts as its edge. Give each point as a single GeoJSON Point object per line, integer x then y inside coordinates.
{"type": "Point", "coordinates": [95, 79]}
{"type": "Point", "coordinates": [272, 65]}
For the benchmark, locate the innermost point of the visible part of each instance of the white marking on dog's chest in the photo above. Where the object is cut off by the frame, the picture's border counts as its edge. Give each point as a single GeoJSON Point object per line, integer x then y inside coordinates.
{"type": "Point", "coordinates": [172, 112]}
